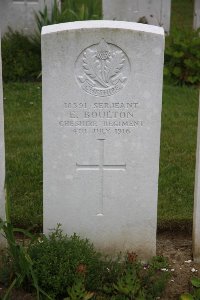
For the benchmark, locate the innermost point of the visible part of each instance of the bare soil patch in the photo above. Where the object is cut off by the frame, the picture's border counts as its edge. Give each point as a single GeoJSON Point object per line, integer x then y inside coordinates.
{"type": "Point", "coordinates": [177, 247]}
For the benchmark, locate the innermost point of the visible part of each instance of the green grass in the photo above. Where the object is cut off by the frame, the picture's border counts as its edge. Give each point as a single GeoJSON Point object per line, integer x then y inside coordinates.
{"type": "Point", "coordinates": [182, 14]}
{"type": "Point", "coordinates": [23, 141]}
{"type": "Point", "coordinates": [24, 154]}
{"type": "Point", "coordinates": [177, 160]}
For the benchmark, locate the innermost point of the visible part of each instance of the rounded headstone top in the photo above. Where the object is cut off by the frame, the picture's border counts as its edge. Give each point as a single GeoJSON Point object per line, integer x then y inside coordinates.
{"type": "Point", "coordinates": [102, 24]}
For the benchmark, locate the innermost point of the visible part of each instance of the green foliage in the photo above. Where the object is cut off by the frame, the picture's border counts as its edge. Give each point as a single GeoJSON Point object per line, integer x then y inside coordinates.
{"type": "Point", "coordinates": [21, 60]}
{"type": "Point", "coordinates": [182, 57]}
{"type": "Point", "coordinates": [43, 18]}
{"type": "Point", "coordinates": [78, 291]}
{"type": "Point", "coordinates": [186, 296]}
{"type": "Point", "coordinates": [136, 281]}
{"type": "Point", "coordinates": [195, 282]}
{"type": "Point", "coordinates": [158, 263]}
{"type": "Point", "coordinates": [156, 277]}
{"type": "Point", "coordinates": [21, 55]}
{"type": "Point", "coordinates": [80, 10]}
{"type": "Point", "coordinates": [19, 265]}
{"type": "Point", "coordinates": [70, 267]}
{"type": "Point", "coordinates": [58, 260]}
{"type": "Point", "coordinates": [195, 293]}
{"type": "Point", "coordinates": [72, 10]}
{"type": "Point", "coordinates": [130, 285]}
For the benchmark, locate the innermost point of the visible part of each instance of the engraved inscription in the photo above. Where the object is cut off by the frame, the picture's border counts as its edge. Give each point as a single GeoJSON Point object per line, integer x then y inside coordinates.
{"type": "Point", "coordinates": [102, 118]}
{"type": "Point", "coordinates": [102, 69]}
{"type": "Point", "coordinates": [101, 166]}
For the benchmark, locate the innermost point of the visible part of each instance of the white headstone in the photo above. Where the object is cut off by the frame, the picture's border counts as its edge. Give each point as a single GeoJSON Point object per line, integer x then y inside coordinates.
{"type": "Point", "coordinates": [102, 92]}
{"type": "Point", "coordinates": [2, 153]}
{"type": "Point", "coordinates": [196, 23]}
{"type": "Point", "coordinates": [154, 12]}
{"type": "Point", "coordinates": [20, 14]}
{"type": "Point", "coordinates": [196, 214]}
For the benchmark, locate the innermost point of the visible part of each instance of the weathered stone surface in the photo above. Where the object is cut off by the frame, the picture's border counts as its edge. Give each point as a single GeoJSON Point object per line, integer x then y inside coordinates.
{"type": "Point", "coordinates": [196, 214]}
{"type": "Point", "coordinates": [20, 14]}
{"type": "Point", "coordinates": [102, 91]}
{"type": "Point", "coordinates": [2, 153]}
{"type": "Point", "coordinates": [154, 12]}
{"type": "Point", "coordinates": [196, 22]}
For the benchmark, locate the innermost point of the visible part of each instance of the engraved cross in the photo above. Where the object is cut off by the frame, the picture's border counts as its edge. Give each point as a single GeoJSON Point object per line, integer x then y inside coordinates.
{"type": "Point", "coordinates": [101, 167]}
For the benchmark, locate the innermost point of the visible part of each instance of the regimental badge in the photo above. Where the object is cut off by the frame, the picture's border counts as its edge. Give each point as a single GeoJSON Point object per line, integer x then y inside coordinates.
{"type": "Point", "coordinates": [102, 69]}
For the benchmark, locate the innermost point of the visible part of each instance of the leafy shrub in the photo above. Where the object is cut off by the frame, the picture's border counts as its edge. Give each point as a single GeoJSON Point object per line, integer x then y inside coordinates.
{"type": "Point", "coordinates": [21, 60]}
{"type": "Point", "coordinates": [70, 266]}
{"type": "Point", "coordinates": [58, 260]}
{"type": "Point", "coordinates": [182, 57]}
{"type": "Point", "coordinates": [72, 10]}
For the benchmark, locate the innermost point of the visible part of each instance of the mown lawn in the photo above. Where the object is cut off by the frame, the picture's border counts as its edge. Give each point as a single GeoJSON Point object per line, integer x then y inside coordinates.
{"type": "Point", "coordinates": [23, 140]}
{"type": "Point", "coordinates": [23, 134]}
{"type": "Point", "coordinates": [181, 14]}
{"type": "Point", "coordinates": [177, 160]}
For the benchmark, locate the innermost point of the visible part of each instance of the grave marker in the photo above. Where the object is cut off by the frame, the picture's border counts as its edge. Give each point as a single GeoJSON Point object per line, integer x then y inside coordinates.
{"type": "Point", "coordinates": [2, 153]}
{"type": "Point", "coordinates": [102, 92]}
{"type": "Point", "coordinates": [196, 214]}
{"type": "Point", "coordinates": [154, 12]}
{"type": "Point", "coordinates": [20, 14]}
{"type": "Point", "coordinates": [196, 22]}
